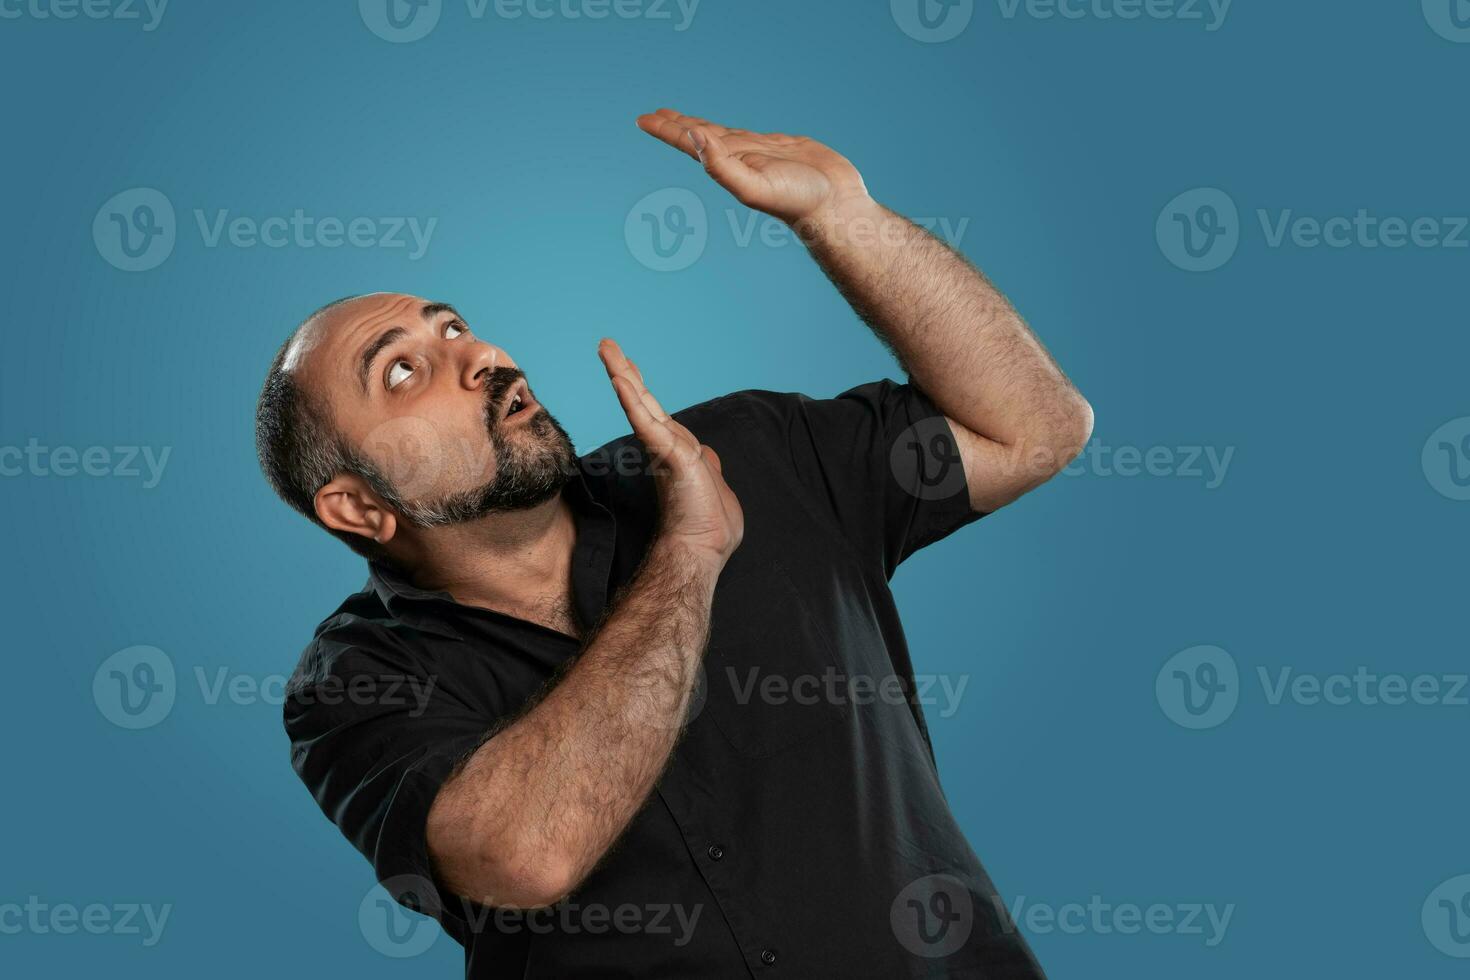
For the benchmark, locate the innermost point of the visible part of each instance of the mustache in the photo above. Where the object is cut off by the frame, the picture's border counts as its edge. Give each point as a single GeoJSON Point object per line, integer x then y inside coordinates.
{"type": "Point", "coordinates": [496, 385]}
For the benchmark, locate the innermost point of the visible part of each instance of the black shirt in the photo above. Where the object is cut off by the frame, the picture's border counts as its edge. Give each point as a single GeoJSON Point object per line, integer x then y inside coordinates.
{"type": "Point", "coordinates": [800, 829]}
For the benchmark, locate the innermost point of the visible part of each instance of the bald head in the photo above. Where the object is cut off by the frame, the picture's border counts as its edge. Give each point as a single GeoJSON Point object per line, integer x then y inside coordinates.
{"type": "Point", "coordinates": [315, 331]}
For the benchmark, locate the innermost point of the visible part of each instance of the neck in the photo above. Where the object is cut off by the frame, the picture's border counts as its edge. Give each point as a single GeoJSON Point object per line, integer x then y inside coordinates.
{"type": "Point", "coordinates": [501, 561]}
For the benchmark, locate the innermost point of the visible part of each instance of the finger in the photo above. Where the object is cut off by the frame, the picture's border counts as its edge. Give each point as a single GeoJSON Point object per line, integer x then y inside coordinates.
{"type": "Point", "coordinates": [739, 145]}
{"type": "Point", "coordinates": [728, 170]}
{"type": "Point", "coordinates": [617, 363]}
{"type": "Point", "coordinates": [670, 127]}
{"type": "Point", "coordinates": [659, 440]}
{"type": "Point", "coordinates": [666, 132]}
{"type": "Point", "coordinates": [728, 133]}
{"type": "Point", "coordinates": [685, 120]}
{"type": "Point", "coordinates": [654, 406]}
{"type": "Point", "coordinates": [680, 430]}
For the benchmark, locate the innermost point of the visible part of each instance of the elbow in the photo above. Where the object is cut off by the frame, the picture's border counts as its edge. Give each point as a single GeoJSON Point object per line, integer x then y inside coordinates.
{"type": "Point", "coordinates": [525, 880]}
{"type": "Point", "coordinates": [542, 883]}
{"type": "Point", "coordinates": [495, 872]}
{"type": "Point", "coordinates": [1078, 428]}
{"type": "Point", "coordinates": [1066, 435]}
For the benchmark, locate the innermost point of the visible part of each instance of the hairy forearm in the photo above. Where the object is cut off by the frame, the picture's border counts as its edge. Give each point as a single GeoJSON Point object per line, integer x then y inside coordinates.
{"type": "Point", "coordinates": [955, 333]}
{"type": "Point", "coordinates": [535, 808]}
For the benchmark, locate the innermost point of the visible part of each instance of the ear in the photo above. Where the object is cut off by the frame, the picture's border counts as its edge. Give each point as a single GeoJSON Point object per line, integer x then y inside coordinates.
{"type": "Point", "coordinates": [348, 504]}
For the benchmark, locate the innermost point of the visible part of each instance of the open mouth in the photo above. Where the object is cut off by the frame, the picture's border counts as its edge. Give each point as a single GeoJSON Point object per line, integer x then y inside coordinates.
{"type": "Point", "coordinates": [519, 401]}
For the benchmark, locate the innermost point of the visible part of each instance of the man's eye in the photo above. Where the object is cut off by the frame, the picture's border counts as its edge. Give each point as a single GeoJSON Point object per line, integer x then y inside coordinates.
{"type": "Point", "coordinates": [452, 330]}
{"type": "Point", "coordinates": [398, 373]}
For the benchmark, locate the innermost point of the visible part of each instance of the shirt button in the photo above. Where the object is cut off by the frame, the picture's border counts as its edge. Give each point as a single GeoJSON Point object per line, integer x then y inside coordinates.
{"type": "Point", "coordinates": [715, 852]}
{"type": "Point", "coordinates": [768, 956]}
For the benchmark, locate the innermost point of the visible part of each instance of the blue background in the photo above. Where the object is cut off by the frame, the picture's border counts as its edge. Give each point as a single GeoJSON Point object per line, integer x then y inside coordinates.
{"type": "Point", "coordinates": [1325, 547]}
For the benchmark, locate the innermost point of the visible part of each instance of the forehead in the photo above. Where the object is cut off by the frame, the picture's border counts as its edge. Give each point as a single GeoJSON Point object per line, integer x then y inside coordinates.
{"type": "Point", "coordinates": [336, 332]}
{"type": "Point", "coordinates": [326, 350]}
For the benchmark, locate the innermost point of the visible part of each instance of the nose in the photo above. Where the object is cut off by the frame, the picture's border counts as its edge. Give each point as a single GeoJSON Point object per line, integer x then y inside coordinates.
{"type": "Point", "coordinates": [480, 361]}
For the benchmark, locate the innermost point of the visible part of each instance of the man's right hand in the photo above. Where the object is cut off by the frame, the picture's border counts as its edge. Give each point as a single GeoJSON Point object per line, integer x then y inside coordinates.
{"type": "Point", "coordinates": [536, 806]}
{"type": "Point", "coordinates": [698, 511]}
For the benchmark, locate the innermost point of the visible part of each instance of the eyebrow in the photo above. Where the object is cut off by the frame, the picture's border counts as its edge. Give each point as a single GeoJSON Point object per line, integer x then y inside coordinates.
{"type": "Point", "coordinates": [428, 312]}
{"type": "Point", "coordinates": [373, 350]}
{"type": "Point", "coordinates": [431, 310]}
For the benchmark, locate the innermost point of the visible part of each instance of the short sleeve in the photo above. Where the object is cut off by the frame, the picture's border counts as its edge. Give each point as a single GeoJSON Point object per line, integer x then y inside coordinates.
{"type": "Point", "coordinates": [881, 458]}
{"type": "Point", "coordinates": [373, 737]}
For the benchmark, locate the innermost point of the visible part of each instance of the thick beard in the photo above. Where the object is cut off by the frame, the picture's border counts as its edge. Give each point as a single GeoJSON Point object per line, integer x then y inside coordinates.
{"type": "Point", "coordinates": [525, 475]}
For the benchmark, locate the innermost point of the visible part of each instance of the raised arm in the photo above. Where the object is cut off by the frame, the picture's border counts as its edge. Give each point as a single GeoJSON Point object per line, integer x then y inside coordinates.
{"type": "Point", "coordinates": [1016, 417]}
{"type": "Point", "coordinates": [534, 809]}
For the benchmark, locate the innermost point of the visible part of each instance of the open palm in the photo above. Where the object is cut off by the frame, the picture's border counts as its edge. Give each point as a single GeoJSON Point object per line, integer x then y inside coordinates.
{"type": "Point", "coordinates": [789, 177]}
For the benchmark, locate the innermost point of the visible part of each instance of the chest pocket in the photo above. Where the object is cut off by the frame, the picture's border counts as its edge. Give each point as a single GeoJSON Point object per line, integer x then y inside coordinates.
{"type": "Point", "coordinates": [771, 673]}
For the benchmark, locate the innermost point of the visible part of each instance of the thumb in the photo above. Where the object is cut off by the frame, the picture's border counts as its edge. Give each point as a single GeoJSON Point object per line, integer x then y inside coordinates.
{"type": "Point", "coordinates": [728, 171]}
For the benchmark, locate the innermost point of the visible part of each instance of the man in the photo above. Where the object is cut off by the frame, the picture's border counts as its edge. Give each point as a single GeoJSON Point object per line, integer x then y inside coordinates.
{"type": "Point", "coordinates": [616, 716]}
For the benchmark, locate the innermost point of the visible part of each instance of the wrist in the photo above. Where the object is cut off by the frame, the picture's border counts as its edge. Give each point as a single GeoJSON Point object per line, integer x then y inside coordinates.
{"type": "Point", "coordinates": [853, 219]}
{"type": "Point", "coordinates": [685, 560]}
